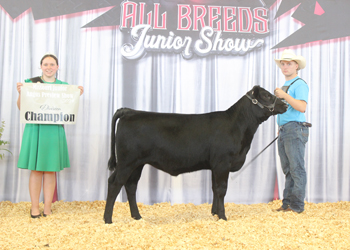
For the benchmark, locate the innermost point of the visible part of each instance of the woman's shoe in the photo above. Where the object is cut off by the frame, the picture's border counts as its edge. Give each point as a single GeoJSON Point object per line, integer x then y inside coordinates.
{"type": "Point", "coordinates": [45, 215]}
{"type": "Point", "coordinates": [34, 216]}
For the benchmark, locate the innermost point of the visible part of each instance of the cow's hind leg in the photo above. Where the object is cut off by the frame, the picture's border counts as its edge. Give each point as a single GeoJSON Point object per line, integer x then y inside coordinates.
{"type": "Point", "coordinates": [113, 191]}
{"type": "Point", "coordinates": [130, 187]}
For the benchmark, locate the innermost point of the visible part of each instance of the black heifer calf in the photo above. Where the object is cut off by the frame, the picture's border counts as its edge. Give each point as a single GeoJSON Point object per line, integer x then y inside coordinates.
{"type": "Point", "coordinates": [180, 143]}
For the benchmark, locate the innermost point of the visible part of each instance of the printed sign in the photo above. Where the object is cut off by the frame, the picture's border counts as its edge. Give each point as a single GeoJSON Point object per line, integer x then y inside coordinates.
{"type": "Point", "coordinates": [49, 103]}
{"type": "Point", "coordinates": [193, 29]}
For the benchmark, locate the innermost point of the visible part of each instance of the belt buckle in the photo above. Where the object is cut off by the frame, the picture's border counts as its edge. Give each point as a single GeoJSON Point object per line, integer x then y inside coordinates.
{"type": "Point", "coordinates": [307, 124]}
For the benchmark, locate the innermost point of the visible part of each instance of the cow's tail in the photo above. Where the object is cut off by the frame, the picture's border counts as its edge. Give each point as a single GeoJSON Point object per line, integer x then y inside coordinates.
{"type": "Point", "coordinates": [112, 163]}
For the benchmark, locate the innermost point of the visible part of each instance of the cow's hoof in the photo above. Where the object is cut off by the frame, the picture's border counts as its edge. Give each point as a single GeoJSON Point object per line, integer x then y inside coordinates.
{"type": "Point", "coordinates": [137, 217]}
{"type": "Point", "coordinates": [107, 221]}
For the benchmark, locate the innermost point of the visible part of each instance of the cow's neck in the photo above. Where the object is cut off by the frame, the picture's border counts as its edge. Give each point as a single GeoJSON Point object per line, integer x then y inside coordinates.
{"type": "Point", "coordinates": [248, 121]}
{"type": "Point", "coordinates": [243, 111]}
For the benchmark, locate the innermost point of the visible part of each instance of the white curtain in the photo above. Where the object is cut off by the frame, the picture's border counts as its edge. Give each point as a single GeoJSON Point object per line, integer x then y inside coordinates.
{"type": "Point", "coordinates": [168, 83]}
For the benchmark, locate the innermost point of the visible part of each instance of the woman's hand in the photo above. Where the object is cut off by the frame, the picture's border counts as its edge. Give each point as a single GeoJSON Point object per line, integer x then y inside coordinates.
{"type": "Point", "coordinates": [19, 85]}
{"type": "Point", "coordinates": [81, 89]}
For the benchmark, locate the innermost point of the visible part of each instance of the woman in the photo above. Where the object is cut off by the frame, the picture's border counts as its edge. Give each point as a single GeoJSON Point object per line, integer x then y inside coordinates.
{"type": "Point", "coordinates": [44, 147]}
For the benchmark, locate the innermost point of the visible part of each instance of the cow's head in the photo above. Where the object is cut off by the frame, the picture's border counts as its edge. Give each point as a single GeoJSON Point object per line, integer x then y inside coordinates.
{"type": "Point", "coordinates": [265, 100]}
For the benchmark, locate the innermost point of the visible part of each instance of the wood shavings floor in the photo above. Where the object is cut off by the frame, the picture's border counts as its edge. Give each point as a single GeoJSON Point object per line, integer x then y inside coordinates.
{"type": "Point", "coordinates": [80, 225]}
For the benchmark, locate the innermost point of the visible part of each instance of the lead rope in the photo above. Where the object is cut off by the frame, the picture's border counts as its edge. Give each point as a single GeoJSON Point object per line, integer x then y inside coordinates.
{"type": "Point", "coordinates": [247, 164]}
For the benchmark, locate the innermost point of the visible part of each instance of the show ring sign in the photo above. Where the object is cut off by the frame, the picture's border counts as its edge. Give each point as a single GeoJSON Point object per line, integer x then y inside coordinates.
{"type": "Point", "coordinates": [43, 103]}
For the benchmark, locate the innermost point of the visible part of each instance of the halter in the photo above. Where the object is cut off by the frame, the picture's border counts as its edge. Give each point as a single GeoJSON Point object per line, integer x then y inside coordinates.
{"type": "Point", "coordinates": [270, 107]}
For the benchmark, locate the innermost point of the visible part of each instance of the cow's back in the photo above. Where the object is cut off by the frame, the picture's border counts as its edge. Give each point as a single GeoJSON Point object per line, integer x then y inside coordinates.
{"type": "Point", "coordinates": [174, 143]}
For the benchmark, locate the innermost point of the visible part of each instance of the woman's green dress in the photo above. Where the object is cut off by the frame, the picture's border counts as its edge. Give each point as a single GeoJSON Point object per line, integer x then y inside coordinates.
{"type": "Point", "coordinates": [44, 146]}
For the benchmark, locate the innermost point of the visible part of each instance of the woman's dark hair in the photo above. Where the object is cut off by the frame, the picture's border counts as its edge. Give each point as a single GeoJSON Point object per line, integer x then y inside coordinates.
{"type": "Point", "coordinates": [48, 55]}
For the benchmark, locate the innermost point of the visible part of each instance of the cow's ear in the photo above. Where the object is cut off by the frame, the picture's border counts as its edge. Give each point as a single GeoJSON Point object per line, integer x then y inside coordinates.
{"type": "Point", "coordinates": [255, 90]}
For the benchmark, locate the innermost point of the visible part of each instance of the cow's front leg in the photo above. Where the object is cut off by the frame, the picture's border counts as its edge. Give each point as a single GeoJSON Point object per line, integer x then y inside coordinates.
{"type": "Point", "coordinates": [130, 187]}
{"type": "Point", "coordinates": [214, 207]}
{"type": "Point", "coordinates": [113, 191]}
{"type": "Point", "coordinates": [220, 186]}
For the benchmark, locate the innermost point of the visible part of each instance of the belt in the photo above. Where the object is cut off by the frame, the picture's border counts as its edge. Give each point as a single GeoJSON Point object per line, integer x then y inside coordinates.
{"type": "Point", "coordinates": [307, 124]}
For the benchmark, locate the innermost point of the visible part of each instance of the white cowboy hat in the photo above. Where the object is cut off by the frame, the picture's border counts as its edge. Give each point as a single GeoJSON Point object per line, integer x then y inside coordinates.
{"type": "Point", "coordinates": [288, 55]}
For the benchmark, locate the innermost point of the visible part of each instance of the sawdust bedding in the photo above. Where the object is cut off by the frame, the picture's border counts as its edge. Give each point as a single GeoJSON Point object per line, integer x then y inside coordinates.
{"type": "Point", "coordinates": [80, 225]}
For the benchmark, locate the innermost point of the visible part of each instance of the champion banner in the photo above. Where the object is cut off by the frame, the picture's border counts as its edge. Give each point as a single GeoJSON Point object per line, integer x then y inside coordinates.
{"type": "Point", "coordinates": [49, 103]}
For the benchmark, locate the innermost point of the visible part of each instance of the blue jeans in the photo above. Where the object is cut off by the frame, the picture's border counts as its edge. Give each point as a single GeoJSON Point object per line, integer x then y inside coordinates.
{"type": "Point", "coordinates": [291, 148]}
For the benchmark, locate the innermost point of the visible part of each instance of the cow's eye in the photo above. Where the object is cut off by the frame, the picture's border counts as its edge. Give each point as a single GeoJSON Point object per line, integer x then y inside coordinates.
{"type": "Point", "coordinates": [266, 96]}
